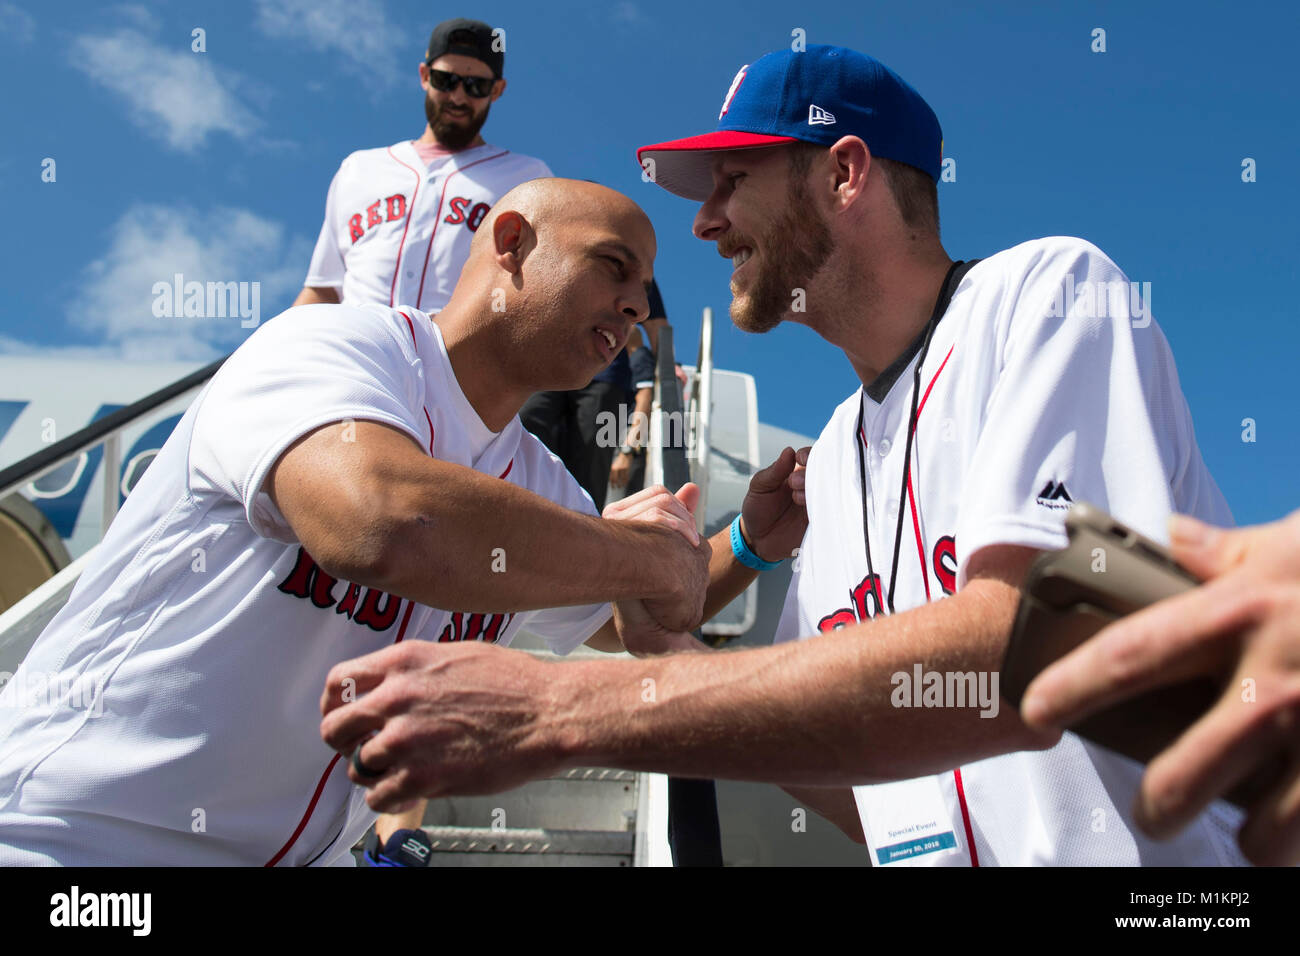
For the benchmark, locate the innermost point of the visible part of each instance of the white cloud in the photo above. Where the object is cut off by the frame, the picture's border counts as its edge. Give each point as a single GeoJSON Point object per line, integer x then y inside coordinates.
{"type": "Point", "coordinates": [152, 243]}
{"type": "Point", "coordinates": [16, 23]}
{"type": "Point", "coordinates": [354, 33]}
{"type": "Point", "coordinates": [172, 93]}
{"type": "Point", "coordinates": [627, 12]}
{"type": "Point", "coordinates": [140, 15]}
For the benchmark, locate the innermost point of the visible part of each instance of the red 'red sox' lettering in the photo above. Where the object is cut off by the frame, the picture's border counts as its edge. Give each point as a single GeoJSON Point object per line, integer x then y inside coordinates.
{"type": "Point", "coordinates": [378, 609]}
{"type": "Point", "coordinates": [866, 596]}
{"type": "Point", "coordinates": [475, 627]}
{"type": "Point", "coordinates": [861, 609]}
{"type": "Point", "coordinates": [394, 208]}
{"type": "Point", "coordinates": [945, 563]}
{"type": "Point", "coordinates": [472, 219]}
{"type": "Point", "coordinates": [307, 579]}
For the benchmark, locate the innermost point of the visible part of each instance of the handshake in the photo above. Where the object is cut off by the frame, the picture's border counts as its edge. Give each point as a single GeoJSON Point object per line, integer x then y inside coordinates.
{"type": "Point", "coordinates": [439, 719]}
{"type": "Point", "coordinates": [684, 580]}
{"type": "Point", "coordinates": [677, 575]}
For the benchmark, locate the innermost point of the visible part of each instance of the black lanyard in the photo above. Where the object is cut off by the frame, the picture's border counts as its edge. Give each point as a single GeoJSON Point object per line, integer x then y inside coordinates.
{"type": "Point", "coordinates": [950, 281]}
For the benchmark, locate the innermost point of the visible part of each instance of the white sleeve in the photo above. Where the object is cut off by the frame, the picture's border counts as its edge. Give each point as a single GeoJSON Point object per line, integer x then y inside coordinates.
{"type": "Point", "coordinates": [327, 266]}
{"type": "Point", "coordinates": [563, 628]}
{"type": "Point", "coordinates": [1085, 402]}
{"type": "Point", "coordinates": [788, 628]}
{"type": "Point", "coordinates": [311, 366]}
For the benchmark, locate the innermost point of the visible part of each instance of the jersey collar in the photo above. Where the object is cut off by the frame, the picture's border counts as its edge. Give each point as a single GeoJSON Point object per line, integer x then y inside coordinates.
{"type": "Point", "coordinates": [491, 451]}
{"type": "Point", "coordinates": [407, 152]}
{"type": "Point", "coordinates": [882, 383]}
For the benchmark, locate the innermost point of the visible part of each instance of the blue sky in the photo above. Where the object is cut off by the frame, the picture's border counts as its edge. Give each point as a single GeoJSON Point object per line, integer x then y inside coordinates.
{"type": "Point", "coordinates": [216, 164]}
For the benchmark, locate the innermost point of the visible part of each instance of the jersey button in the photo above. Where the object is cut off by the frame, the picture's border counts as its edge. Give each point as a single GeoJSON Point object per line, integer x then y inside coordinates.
{"type": "Point", "coordinates": [884, 447]}
{"type": "Point", "coordinates": [410, 275]}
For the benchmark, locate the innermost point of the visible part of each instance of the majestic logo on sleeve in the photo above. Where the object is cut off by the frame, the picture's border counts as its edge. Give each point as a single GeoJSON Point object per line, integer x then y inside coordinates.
{"type": "Point", "coordinates": [375, 609]}
{"type": "Point", "coordinates": [389, 209]}
{"type": "Point", "coordinates": [1055, 496]}
{"type": "Point", "coordinates": [866, 600]}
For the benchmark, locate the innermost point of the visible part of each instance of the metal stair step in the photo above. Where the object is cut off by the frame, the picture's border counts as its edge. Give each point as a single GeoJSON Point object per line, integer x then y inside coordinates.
{"type": "Point", "coordinates": [488, 840]}
{"type": "Point", "coordinates": [484, 846]}
{"type": "Point", "coordinates": [587, 799]}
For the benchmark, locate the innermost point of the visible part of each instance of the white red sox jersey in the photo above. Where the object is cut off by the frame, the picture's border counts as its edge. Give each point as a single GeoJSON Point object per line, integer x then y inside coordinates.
{"type": "Point", "coordinates": [396, 233]}
{"type": "Point", "coordinates": [1034, 392]}
{"type": "Point", "coordinates": [170, 713]}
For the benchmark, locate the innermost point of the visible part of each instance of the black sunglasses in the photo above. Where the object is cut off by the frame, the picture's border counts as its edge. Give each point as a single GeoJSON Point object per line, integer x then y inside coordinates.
{"type": "Point", "coordinates": [475, 86]}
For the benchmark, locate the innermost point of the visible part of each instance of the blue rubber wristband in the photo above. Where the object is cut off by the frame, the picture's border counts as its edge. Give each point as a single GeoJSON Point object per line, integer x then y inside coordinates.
{"type": "Point", "coordinates": [741, 550]}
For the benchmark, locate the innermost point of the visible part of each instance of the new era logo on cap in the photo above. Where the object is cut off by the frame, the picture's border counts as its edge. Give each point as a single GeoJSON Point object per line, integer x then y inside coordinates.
{"type": "Point", "coordinates": [818, 116]}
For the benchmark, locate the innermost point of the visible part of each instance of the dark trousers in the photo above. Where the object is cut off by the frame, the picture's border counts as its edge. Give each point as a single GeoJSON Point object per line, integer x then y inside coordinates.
{"type": "Point", "coordinates": [568, 423]}
{"type": "Point", "coordinates": [636, 474]}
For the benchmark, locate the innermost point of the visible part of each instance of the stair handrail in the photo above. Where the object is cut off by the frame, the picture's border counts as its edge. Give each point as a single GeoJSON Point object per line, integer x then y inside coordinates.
{"type": "Point", "coordinates": [107, 431]}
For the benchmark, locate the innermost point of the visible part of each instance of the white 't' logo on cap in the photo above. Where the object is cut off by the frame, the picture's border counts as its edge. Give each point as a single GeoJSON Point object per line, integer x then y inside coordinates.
{"type": "Point", "coordinates": [818, 116]}
{"type": "Point", "coordinates": [731, 92]}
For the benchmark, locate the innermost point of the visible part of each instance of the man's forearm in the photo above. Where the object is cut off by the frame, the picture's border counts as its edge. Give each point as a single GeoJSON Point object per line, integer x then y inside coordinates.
{"type": "Point", "coordinates": [473, 542]}
{"type": "Point", "coordinates": [317, 295]}
{"type": "Point", "coordinates": [636, 433]}
{"type": "Point", "coordinates": [728, 578]}
{"type": "Point", "coordinates": [817, 712]}
{"type": "Point", "coordinates": [374, 510]}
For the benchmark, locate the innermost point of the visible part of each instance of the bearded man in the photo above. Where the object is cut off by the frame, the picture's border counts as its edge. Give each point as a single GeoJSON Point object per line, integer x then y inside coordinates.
{"type": "Point", "coordinates": [399, 219]}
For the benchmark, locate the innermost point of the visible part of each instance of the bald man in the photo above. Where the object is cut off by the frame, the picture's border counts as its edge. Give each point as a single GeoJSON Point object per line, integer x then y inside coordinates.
{"type": "Point", "coordinates": [352, 478]}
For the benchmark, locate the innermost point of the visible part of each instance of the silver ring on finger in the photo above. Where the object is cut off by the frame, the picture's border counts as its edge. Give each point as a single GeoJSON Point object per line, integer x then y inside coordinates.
{"type": "Point", "coordinates": [361, 769]}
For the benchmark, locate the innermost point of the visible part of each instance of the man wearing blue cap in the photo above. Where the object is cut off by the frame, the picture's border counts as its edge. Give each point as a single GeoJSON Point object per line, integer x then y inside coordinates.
{"type": "Point", "coordinates": [994, 392]}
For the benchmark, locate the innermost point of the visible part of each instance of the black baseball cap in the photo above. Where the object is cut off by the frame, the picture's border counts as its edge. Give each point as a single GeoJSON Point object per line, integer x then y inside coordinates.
{"type": "Point", "coordinates": [467, 38]}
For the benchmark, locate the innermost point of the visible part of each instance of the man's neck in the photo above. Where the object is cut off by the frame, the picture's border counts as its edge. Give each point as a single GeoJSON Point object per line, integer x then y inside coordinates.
{"type": "Point", "coordinates": [884, 310]}
{"type": "Point", "coordinates": [430, 138]}
{"type": "Point", "coordinates": [474, 351]}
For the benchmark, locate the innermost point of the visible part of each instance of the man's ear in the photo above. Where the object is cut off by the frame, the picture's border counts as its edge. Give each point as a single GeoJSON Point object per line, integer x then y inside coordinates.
{"type": "Point", "coordinates": [510, 234]}
{"type": "Point", "coordinates": [498, 88]}
{"type": "Point", "coordinates": [424, 75]}
{"type": "Point", "coordinates": [851, 161]}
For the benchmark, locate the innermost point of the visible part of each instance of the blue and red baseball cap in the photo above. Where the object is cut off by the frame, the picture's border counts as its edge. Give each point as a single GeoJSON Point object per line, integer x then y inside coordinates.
{"type": "Point", "coordinates": [817, 95]}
